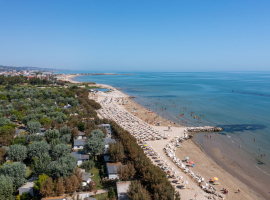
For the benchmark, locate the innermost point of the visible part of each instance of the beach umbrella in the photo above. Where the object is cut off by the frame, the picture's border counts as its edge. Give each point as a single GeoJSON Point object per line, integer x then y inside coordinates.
{"type": "Point", "coordinates": [191, 162]}
{"type": "Point", "coordinates": [186, 158]}
{"type": "Point", "coordinates": [215, 178]}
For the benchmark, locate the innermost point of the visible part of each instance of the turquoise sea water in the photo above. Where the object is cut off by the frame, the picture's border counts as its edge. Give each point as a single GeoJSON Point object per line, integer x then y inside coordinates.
{"type": "Point", "coordinates": [237, 101]}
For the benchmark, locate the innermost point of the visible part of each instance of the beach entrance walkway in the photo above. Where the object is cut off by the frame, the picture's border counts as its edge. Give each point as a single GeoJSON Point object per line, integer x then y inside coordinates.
{"type": "Point", "coordinates": [192, 189]}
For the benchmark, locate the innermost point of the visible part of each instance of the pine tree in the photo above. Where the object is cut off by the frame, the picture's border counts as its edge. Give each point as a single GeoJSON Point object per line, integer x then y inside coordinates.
{"type": "Point", "coordinates": [47, 187]}
{"type": "Point", "coordinates": [59, 187]}
{"type": "Point", "coordinates": [68, 185]}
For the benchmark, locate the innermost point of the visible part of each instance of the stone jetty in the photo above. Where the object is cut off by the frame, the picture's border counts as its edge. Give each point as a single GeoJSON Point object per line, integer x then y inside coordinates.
{"type": "Point", "coordinates": [204, 129]}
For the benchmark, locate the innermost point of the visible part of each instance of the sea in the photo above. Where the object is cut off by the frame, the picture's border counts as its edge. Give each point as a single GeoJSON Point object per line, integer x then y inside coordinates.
{"type": "Point", "coordinates": [239, 102]}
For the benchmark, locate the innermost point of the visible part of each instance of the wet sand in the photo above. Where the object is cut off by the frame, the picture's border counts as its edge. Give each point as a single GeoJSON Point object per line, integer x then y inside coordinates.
{"type": "Point", "coordinates": [229, 159]}
{"type": "Point", "coordinates": [148, 116]}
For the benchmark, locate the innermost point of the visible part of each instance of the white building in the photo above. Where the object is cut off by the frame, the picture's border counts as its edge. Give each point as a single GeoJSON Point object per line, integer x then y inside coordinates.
{"type": "Point", "coordinates": [78, 144]}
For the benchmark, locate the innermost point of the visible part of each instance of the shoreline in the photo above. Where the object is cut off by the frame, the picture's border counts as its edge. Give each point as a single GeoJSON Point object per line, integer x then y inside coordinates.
{"type": "Point", "coordinates": [191, 144]}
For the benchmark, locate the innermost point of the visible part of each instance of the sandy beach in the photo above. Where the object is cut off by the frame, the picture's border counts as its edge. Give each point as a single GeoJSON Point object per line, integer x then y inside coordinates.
{"type": "Point", "coordinates": [67, 77]}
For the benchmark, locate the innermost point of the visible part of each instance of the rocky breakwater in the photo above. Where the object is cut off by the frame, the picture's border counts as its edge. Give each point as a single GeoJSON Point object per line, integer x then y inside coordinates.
{"type": "Point", "coordinates": [204, 129]}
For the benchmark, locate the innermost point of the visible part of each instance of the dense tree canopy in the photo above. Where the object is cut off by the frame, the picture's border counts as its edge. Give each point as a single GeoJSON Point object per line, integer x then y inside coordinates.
{"type": "Point", "coordinates": [87, 165]}
{"type": "Point", "coordinates": [137, 192]}
{"type": "Point", "coordinates": [17, 171]}
{"type": "Point", "coordinates": [116, 152]}
{"type": "Point", "coordinates": [36, 149]}
{"type": "Point", "coordinates": [17, 152]}
{"type": "Point", "coordinates": [35, 137]}
{"type": "Point", "coordinates": [42, 164]}
{"type": "Point", "coordinates": [6, 187]}
{"type": "Point", "coordinates": [65, 130]}
{"type": "Point", "coordinates": [94, 146]}
{"type": "Point", "coordinates": [52, 135]}
{"type": "Point", "coordinates": [64, 166]}
{"type": "Point", "coordinates": [38, 183]}
{"type": "Point", "coordinates": [33, 127]}
{"type": "Point", "coordinates": [97, 134]}
{"type": "Point", "coordinates": [60, 150]}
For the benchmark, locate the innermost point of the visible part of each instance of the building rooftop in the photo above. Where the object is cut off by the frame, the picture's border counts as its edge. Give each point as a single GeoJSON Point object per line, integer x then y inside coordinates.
{"type": "Point", "coordinates": [28, 185]}
{"type": "Point", "coordinates": [122, 189]}
{"type": "Point", "coordinates": [112, 168]}
{"type": "Point", "coordinates": [79, 142]}
{"type": "Point", "coordinates": [80, 155]}
{"type": "Point", "coordinates": [85, 176]}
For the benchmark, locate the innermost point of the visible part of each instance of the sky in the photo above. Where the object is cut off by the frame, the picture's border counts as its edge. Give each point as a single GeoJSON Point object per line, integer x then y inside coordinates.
{"type": "Point", "coordinates": [135, 35]}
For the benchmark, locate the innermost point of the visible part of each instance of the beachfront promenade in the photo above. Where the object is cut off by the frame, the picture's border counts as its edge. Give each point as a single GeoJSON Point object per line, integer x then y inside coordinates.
{"type": "Point", "coordinates": [160, 144]}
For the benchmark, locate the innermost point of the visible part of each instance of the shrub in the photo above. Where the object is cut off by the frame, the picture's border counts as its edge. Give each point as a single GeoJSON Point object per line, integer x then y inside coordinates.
{"type": "Point", "coordinates": [88, 165]}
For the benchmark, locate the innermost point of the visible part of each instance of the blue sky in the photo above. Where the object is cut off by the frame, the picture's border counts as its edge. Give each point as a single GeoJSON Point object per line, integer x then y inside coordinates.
{"type": "Point", "coordinates": [134, 35]}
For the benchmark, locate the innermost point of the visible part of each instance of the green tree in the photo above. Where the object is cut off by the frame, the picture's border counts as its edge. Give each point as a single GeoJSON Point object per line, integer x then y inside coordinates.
{"type": "Point", "coordinates": [54, 142]}
{"type": "Point", "coordinates": [65, 138]}
{"type": "Point", "coordinates": [80, 126]}
{"type": "Point", "coordinates": [36, 149]}
{"type": "Point", "coordinates": [35, 137]}
{"type": "Point", "coordinates": [94, 146]}
{"type": "Point", "coordinates": [45, 120]}
{"type": "Point", "coordinates": [21, 139]}
{"type": "Point", "coordinates": [38, 183]}
{"type": "Point", "coordinates": [42, 164]}
{"type": "Point", "coordinates": [60, 150]}
{"type": "Point", "coordinates": [26, 196]}
{"type": "Point", "coordinates": [33, 127]}
{"type": "Point", "coordinates": [137, 192]}
{"type": "Point", "coordinates": [88, 165]}
{"type": "Point", "coordinates": [17, 171]}
{"type": "Point", "coordinates": [97, 134]}
{"type": "Point", "coordinates": [116, 152]}
{"type": "Point", "coordinates": [111, 193]}
{"type": "Point", "coordinates": [13, 118]}
{"type": "Point", "coordinates": [52, 135]}
{"type": "Point", "coordinates": [17, 152]}
{"type": "Point", "coordinates": [64, 166]}
{"type": "Point", "coordinates": [65, 130]}
{"type": "Point", "coordinates": [6, 187]}
{"type": "Point", "coordinates": [3, 97]}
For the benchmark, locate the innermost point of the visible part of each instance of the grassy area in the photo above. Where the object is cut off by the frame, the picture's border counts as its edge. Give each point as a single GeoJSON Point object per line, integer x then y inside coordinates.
{"type": "Point", "coordinates": [28, 172]}
{"type": "Point", "coordinates": [101, 196]}
{"type": "Point", "coordinates": [72, 84]}
{"type": "Point", "coordinates": [93, 87]}
{"type": "Point", "coordinates": [96, 172]}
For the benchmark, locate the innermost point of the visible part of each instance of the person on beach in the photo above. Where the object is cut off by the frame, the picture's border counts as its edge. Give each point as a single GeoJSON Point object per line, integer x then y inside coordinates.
{"type": "Point", "coordinates": [238, 191]}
